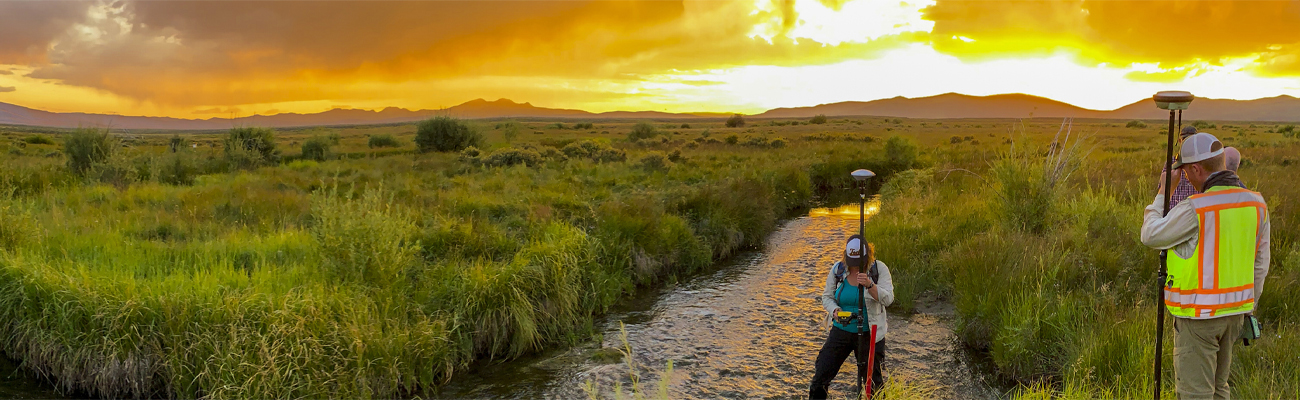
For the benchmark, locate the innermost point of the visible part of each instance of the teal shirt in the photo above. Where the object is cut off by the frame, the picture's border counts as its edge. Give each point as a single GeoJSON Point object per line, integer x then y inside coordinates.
{"type": "Point", "coordinates": [846, 296]}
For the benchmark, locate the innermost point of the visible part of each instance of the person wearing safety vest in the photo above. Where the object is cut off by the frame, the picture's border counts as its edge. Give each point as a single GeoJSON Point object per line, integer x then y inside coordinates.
{"type": "Point", "coordinates": [1218, 256]}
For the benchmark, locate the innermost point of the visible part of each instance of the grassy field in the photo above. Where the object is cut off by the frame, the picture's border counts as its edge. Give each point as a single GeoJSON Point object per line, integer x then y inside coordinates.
{"type": "Point", "coordinates": [370, 269]}
{"type": "Point", "coordinates": [1039, 251]}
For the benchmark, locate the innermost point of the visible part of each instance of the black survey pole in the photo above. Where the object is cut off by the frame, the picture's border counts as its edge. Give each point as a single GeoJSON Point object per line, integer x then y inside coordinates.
{"type": "Point", "coordinates": [864, 343]}
{"type": "Point", "coordinates": [1168, 101]}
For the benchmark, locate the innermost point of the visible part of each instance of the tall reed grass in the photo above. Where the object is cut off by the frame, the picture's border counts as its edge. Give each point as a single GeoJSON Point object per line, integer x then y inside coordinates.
{"type": "Point", "coordinates": [1048, 276]}
{"type": "Point", "coordinates": [361, 277]}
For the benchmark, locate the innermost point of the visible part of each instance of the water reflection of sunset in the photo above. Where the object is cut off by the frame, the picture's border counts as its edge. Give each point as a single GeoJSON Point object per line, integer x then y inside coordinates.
{"type": "Point", "coordinates": [847, 210]}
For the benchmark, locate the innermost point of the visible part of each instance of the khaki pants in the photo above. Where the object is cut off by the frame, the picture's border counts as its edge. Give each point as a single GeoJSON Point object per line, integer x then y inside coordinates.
{"type": "Point", "coordinates": [1203, 355]}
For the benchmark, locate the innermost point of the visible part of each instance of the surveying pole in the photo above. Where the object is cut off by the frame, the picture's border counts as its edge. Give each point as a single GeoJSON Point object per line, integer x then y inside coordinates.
{"type": "Point", "coordinates": [1172, 101]}
{"type": "Point", "coordinates": [869, 347]}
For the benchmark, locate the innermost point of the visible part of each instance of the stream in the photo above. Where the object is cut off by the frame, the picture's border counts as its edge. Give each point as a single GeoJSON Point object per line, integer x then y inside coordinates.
{"type": "Point", "coordinates": [749, 328]}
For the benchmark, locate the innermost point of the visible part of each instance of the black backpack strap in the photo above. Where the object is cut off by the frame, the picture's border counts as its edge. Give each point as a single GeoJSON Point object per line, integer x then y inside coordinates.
{"type": "Point", "coordinates": [874, 273]}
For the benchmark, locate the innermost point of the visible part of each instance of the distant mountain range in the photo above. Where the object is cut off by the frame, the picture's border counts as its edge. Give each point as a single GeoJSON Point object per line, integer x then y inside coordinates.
{"type": "Point", "coordinates": [951, 105]}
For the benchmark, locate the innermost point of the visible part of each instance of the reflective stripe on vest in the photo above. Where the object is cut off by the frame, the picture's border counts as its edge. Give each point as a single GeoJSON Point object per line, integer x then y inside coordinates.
{"type": "Point", "coordinates": [1218, 279]}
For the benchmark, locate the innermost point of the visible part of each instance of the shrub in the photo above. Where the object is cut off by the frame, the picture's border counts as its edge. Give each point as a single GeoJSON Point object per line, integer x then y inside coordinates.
{"type": "Point", "coordinates": [777, 143]}
{"type": "Point", "coordinates": [900, 153]}
{"type": "Point", "coordinates": [954, 140]}
{"type": "Point", "coordinates": [250, 147]}
{"type": "Point", "coordinates": [1202, 125]}
{"type": "Point", "coordinates": [735, 121]}
{"type": "Point", "coordinates": [317, 148]}
{"type": "Point", "coordinates": [655, 161]}
{"type": "Point", "coordinates": [177, 168]}
{"type": "Point", "coordinates": [88, 147]}
{"type": "Point", "coordinates": [1288, 131]}
{"type": "Point", "coordinates": [584, 125]}
{"type": "Point", "coordinates": [556, 125]}
{"type": "Point", "coordinates": [818, 119]}
{"type": "Point", "coordinates": [445, 134]}
{"type": "Point", "coordinates": [38, 139]}
{"type": "Point", "coordinates": [642, 131]}
{"type": "Point", "coordinates": [377, 141]}
{"type": "Point", "coordinates": [676, 156]}
{"type": "Point", "coordinates": [512, 156]}
{"type": "Point", "coordinates": [470, 153]}
{"type": "Point", "coordinates": [686, 126]}
{"type": "Point", "coordinates": [732, 139]}
{"type": "Point", "coordinates": [1136, 124]}
{"type": "Point", "coordinates": [177, 143]}
{"type": "Point", "coordinates": [366, 240]}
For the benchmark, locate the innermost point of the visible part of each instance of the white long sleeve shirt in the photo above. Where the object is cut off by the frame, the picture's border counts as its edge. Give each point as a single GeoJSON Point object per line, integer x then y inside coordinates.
{"type": "Point", "coordinates": [1180, 231]}
{"type": "Point", "coordinates": [875, 308]}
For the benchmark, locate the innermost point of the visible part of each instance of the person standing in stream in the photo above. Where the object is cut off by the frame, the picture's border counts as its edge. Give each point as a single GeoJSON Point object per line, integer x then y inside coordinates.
{"type": "Point", "coordinates": [841, 294]}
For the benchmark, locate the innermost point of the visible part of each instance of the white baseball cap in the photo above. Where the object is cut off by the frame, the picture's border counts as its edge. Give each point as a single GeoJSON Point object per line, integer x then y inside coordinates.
{"type": "Point", "coordinates": [1199, 147]}
{"type": "Point", "coordinates": [853, 252]}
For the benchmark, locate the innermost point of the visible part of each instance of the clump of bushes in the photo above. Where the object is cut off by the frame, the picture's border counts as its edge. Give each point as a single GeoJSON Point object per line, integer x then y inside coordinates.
{"type": "Point", "coordinates": [676, 156]}
{"type": "Point", "coordinates": [594, 151]}
{"type": "Point", "coordinates": [317, 148]}
{"type": "Point", "coordinates": [655, 161]}
{"type": "Point", "coordinates": [87, 148]}
{"type": "Point", "coordinates": [445, 134]}
{"type": "Point", "coordinates": [584, 125]}
{"type": "Point", "coordinates": [512, 156]}
{"type": "Point", "coordinates": [38, 139]}
{"type": "Point", "coordinates": [818, 119]}
{"type": "Point", "coordinates": [177, 143]}
{"type": "Point", "coordinates": [736, 121]}
{"type": "Point", "coordinates": [251, 147]}
{"type": "Point", "coordinates": [1288, 131]}
{"type": "Point", "coordinates": [642, 131]}
{"type": "Point", "coordinates": [1202, 125]}
{"type": "Point", "coordinates": [1136, 124]}
{"type": "Point", "coordinates": [377, 141]}
{"type": "Point", "coordinates": [732, 139]}
{"type": "Point", "coordinates": [900, 153]}
{"type": "Point", "coordinates": [686, 126]}
{"type": "Point", "coordinates": [177, 168]}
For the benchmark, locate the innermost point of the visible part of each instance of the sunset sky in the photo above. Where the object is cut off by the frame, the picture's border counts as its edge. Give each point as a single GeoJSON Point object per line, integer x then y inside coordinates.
{"type": "Point", "coordinates": [202, 59]}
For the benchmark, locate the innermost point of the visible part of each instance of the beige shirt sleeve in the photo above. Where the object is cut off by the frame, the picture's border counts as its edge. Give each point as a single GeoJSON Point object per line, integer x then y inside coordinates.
{"type": "Point", "coordinates": [1175, 231]}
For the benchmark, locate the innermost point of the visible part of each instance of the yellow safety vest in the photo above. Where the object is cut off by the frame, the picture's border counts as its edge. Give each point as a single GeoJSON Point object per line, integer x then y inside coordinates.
{"type": "Point", "coordinates": [1219, 278]}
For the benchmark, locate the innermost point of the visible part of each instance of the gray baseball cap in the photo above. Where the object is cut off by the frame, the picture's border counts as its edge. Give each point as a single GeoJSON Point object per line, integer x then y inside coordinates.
{"type": "Point", "coordinates": [1199, 147]}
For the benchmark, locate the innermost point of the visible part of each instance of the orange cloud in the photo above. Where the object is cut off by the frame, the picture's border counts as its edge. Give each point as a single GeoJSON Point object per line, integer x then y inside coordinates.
{"type": "Point", "coordinates": [1171, 33]}
{"type": "Point", "coordinates": [196, 57]}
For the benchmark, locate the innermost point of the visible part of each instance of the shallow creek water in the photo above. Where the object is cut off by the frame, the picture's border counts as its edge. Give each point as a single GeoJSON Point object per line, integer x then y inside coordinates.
{"type": "Point", "coordinates": [750, 328]}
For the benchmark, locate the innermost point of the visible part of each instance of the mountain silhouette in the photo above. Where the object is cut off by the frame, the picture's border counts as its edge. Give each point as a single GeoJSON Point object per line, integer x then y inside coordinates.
{"type": "Point", "coordinates": [951, 105]}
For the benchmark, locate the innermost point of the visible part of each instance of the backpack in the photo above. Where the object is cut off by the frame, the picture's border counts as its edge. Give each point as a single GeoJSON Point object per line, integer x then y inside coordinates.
{"type": "Point", "coordinates": [841, 271]}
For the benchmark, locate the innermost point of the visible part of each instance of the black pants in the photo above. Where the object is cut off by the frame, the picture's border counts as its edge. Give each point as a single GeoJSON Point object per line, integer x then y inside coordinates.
{"type": "Point", "coordinates": [839, 344]}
